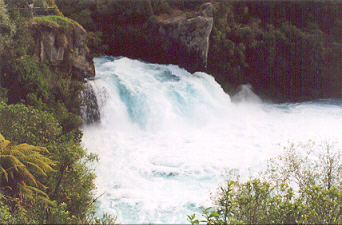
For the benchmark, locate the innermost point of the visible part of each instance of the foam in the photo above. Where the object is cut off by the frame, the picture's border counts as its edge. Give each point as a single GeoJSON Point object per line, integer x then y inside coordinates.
{"type": "Point", "coordinates": [166, 136]}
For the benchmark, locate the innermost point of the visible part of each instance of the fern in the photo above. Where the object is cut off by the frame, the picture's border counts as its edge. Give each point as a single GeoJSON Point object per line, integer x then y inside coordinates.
{"type": "Point", "coordinates": [18, 165]}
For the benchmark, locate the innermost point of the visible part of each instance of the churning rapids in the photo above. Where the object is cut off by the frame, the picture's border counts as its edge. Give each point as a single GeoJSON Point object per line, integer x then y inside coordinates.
{"type": "Point", "coordinates": [165, 137]}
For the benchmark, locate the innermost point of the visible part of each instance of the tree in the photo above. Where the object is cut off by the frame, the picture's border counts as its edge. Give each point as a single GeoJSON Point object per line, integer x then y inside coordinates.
{"type": "Point", "coordinates": [307, 165]}
{"type": "Point", "coordinates": [25, 124]}
{"type": "Point", "coordinates": [302, 185]}
{"type": "Point", "coordinates": [18, 166]}
{"type": "Point", "coordinates": [7, 27]}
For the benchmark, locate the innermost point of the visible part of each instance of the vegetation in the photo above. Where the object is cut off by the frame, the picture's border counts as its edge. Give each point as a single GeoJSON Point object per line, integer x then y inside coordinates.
{"type": "Point", "coordinates": [302, 185]}
{"type": "Point", "coordinates": [56, 21]}
{"type": "Point", "coordinates": [46, 175]}
{"type": "Point", "coordinates": [7, 27]}
{"type": "Point", "coordinates": [288, 51]}
{"type": "Point", "coordinates": [285, 50]}
{"type": "Point", "coordinates": [15, 163]}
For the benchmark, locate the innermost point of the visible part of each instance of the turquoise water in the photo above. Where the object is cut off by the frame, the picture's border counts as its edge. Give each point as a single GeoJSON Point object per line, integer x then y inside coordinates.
{"type": "Point", "coordinates": [166, 136]}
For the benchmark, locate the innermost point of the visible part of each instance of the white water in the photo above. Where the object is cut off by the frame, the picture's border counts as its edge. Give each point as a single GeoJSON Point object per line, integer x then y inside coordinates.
{"type": "Point", "coordinates": [166, 135]}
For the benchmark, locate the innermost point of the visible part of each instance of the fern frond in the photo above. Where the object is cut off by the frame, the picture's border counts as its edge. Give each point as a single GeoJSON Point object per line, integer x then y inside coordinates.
{"type": "Point", "coordinates": [4, 144]}
{"type": "Point", "coordinates": [3, 173]}
{"type": "Point", "coordinates": [42, 185]}
{"type": "Point", "coordinates": [24, 191]}
{"type": "Point", "coordinates": [29, 148]}
{"type": "Point", "coordinates": [26, 175]}
{"type": "Point", "coordinates": [37, 190]}
{"type": "Point", "coordinates": [10, 161]}
{"type": "Point", "coordinates": [36, 167]}
{"type": "Point", "coordinates": [15, 152]}
{"type": "Point", "coordinates": [19, 163]}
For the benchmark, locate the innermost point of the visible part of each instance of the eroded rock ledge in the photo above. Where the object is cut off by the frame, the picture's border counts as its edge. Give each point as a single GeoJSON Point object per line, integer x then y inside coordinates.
{"type": "Point", "coordinates": [64, 47]}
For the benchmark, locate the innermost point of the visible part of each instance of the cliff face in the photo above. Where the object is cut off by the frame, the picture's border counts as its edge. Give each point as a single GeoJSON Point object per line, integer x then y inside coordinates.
{"type": "Point", "coordinates": [63, 47]}
{"type": "Point", "coordinates": [177, 37]}
{"type": "Point", "coordinates": [190, 37]}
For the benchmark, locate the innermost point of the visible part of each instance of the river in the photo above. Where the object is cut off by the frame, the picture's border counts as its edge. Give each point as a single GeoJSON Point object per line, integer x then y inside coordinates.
{"type": "Point", "coordinates": [166, 136]}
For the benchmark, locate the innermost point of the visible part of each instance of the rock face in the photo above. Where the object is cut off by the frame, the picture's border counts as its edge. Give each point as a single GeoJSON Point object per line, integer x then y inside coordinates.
{"type": "Point", "coordinates": [190, 37]}
{"type": "Point", "coordinates": [64, 47]}
{"type": "Point", "coordinates": [48, 50]}
{"type": "Point", "coordinates": [89, 107]}
{"type": "Point", "coordinates": [173, 37]}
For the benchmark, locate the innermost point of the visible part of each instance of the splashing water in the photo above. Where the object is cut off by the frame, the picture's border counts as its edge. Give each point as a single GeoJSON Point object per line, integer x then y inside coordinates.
{"type": "Point", "coordinates": [166, 135]}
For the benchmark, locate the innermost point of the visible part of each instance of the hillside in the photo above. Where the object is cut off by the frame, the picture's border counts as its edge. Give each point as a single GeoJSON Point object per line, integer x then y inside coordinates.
{"type": "Point", "coordinates": [288, 51]}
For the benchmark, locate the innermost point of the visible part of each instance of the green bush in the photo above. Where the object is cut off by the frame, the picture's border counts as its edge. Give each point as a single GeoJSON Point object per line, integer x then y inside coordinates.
{"type": "Point", "coordinates": [30, 76]}
{"type": "Point", "coordinates": [289, 58]}
{"type": "Point", "coordinates": [73, 183]}
{"type": "Point", "coordinates": [56, 22]}
{"type": "Point", "coordinates": [3, 94]}
{"type": "Point", "coordinates": [303, 185]}
{"type": "Point", "coordinates": [6, 215]}
{"type": "Point", "coordinates": [7, 26]}
{"type": "Point", "coordinates": [42, 111]}
{"type": "Point", "coordinates": [25, 124]}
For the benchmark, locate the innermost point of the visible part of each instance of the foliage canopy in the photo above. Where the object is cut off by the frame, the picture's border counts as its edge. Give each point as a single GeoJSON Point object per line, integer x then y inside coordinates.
{"type": "Point", "coordinates": [302, 185]}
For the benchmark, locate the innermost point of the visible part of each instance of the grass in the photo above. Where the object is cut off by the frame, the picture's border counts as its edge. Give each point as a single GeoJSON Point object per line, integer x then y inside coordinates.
{"type": "Point", "coordinates": [56, 21]}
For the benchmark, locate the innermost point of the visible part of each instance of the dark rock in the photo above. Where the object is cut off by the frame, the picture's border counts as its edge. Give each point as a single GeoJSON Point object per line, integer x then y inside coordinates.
{"type": "Point", "coordinates": [48, 50]}
{"type": "Point", "coordinates": [63, 47]}
{"type": "Point", "coordinates": [189, 36]}
{"type": "Point", "coordinates": [178, 37]}
{"type": "Point", "coordinates": [207, 9]}
{"type": "Point", "coordinates": [89, 108]}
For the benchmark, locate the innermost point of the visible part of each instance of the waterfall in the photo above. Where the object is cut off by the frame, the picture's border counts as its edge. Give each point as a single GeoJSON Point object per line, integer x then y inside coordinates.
{"type": "Point", "coordinates": [165, 136]}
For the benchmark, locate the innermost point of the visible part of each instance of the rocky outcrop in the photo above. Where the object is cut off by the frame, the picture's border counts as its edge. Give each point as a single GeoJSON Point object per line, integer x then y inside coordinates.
{"type": "Point", "coordinates": [175, 37]}
{"type": "Point", "coordinates": [190, 37]}
{"type": "Point", "coordinates": [64, 47]}
{"type": "Point", "coordinates": [49, 50]}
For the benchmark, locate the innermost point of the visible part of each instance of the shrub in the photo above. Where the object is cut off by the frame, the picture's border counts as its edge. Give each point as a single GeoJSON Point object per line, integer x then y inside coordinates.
{"type": "Point", "coordinates": [25, 124]}
{"type": "Point", "coordinates": [302, 185]}
{"type": "Point", "coordinates": [30, 76]}
{"type": "Point", "coordinates": [7, 26]}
